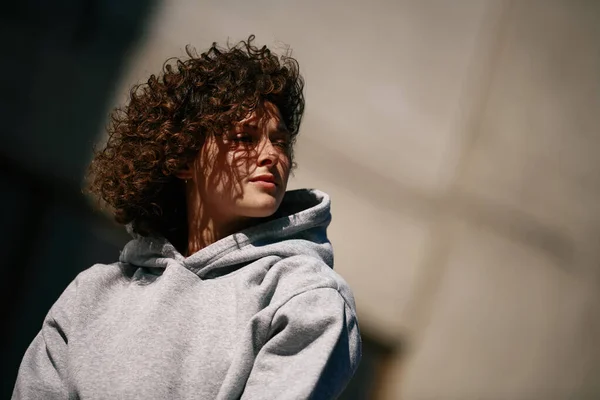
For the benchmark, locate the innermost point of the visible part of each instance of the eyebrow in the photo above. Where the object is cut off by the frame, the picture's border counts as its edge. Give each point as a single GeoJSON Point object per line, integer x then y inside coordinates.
{"type": "Point", "coordinates": [282, 127]}
{"type": "Point", "coordinates": [281, 132]}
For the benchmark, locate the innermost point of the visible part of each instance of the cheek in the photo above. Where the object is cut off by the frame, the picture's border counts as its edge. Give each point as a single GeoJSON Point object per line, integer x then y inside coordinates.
{"type": "Point", "coordinates": [284, 167]}
{"type": "Point", "coordinates": [207, 157]}
{"type": "Point", "coordinates": [239, 162]}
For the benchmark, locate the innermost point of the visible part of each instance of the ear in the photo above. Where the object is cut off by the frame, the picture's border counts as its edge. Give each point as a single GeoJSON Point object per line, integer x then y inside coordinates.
{"type": "Point", "coordinates": [185, 173]}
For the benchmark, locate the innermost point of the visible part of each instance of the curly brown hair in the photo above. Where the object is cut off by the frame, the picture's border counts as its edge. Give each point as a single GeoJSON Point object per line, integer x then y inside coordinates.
{"type": "Point", "coordinates": [166, 120]}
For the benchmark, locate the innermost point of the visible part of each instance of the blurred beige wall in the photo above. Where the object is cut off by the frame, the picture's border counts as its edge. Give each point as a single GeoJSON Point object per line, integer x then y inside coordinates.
{"type": "Point", "coordinates": [458, 141]}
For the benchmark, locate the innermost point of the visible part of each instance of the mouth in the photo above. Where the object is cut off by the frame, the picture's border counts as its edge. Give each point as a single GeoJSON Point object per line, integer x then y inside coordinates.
{"type": "Point", "coordinates": [266, 181]}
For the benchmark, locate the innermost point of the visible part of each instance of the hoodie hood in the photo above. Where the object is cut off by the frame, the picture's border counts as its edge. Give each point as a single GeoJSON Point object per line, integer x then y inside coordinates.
{"type": "Point", "coordinates": [299, 227]}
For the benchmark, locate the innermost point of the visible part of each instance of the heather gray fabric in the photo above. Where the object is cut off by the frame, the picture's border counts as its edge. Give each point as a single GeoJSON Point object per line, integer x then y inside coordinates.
{"type": "Point", "coordinates": [257, 315]}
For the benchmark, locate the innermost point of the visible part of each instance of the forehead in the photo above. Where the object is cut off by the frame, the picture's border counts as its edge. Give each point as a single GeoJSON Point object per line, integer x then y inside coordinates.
{"type": "Point", "coordinates": [265, 114]}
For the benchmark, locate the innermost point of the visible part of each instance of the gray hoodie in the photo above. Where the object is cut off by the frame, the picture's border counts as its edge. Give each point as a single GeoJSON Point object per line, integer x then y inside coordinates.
{"type": "Point", "coordinates": [257, 315]}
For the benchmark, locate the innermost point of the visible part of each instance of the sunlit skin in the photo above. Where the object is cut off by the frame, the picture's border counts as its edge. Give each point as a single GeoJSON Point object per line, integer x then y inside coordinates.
{"type": "Point", "coordinates": [237, 178]}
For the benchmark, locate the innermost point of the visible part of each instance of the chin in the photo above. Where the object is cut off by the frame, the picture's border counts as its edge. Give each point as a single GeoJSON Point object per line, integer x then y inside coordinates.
{"type": "Point", "coordinates": [261, 206]}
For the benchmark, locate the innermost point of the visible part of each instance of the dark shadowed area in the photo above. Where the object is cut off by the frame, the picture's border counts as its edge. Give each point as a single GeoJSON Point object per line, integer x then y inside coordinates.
{"type": "Point", "coordinates": [61, 61]}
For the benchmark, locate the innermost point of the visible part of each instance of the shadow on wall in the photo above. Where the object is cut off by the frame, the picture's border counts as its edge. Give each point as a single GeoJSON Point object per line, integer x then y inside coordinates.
{"type": "Point", "coordinates": [61, 61]}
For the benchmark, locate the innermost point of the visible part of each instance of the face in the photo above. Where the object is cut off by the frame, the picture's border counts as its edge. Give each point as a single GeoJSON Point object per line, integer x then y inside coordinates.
{"type": "Point", "coordinates": [244, 173]}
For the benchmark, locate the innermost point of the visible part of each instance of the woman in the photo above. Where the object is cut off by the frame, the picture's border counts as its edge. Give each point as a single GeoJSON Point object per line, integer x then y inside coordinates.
{"type": "Point", "coordinates": [227, 289]}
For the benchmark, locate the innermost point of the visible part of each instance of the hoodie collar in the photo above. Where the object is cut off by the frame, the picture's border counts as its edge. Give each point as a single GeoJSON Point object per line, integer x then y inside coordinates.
{"type": "Point", "coordinates": [304, 214]}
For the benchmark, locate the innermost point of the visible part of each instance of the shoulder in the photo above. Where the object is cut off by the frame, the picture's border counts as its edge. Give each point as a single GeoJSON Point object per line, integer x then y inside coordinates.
{"type": "Point", "coordinates": [105, 275]}
{"type": "Point", "coordinates": [305, 275]}
{"type": "Point", "coordinates": [97, 283]}
{"type": "Point", "coordinates": [86, 292]}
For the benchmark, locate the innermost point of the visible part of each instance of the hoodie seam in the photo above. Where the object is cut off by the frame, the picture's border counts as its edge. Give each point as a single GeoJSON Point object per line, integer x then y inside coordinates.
{"type": "Point", "coordinates": [309, 290]}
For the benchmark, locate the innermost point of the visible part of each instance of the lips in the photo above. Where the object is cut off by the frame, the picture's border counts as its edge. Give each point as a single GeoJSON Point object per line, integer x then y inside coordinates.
{"type": "Point", "coordinates": [264, 178]}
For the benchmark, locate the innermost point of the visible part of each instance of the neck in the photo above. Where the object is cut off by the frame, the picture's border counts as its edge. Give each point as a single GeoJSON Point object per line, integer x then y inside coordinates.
{"type": "Point", "coordinates": [202, 233]}
{"type": "Point", "coordinates": [205, 226]}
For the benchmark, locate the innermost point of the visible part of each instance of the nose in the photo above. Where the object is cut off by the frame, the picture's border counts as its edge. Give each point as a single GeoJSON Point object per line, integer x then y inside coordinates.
{"type": "Point", "coordinates": [267, 154]}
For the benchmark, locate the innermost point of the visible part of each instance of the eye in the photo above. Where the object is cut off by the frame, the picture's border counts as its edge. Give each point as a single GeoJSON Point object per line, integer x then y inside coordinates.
{"type": "Point", "coordinates": [281, 139]}
{"type": "Point", "coordinates": [283, 143]}
{"type": "Point", "coordinates": [242, 138]}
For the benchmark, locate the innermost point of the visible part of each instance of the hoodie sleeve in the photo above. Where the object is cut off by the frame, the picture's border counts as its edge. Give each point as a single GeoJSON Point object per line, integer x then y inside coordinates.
{"type": "Point", "coordinates": [313, 350]}
{"type": "Point", "coordinates": [43, 370]}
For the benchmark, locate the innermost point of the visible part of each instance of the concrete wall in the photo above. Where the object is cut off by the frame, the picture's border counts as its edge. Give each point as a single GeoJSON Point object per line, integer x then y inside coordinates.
{"type": "Point", "coordinates": [458, 141]}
